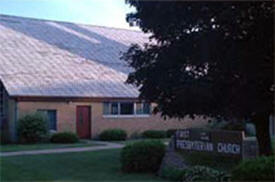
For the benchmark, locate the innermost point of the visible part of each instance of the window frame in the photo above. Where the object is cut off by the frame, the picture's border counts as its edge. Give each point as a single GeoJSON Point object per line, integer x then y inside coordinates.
{"type": "Point", "coordinates": [119, 115]}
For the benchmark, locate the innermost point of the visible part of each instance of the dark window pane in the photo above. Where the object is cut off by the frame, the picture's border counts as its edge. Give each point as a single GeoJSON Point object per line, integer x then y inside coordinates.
{"type": "Point", "coordinates": [52, 119]}
{"type": "Point", "coordinates": [50, 116]}
{"type": "Point", "coordinates": [126, 108]}
{"type": "Point", "coordinates": [114, 108]}
{"type": "Point", "coordinates": [139, 109]}
{"type": "Point", "coordinates": [146, 108]}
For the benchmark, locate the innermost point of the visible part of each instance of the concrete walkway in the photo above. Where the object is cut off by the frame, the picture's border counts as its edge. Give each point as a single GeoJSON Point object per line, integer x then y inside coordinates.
{"type": "Point", "coordinates": [104, 146]}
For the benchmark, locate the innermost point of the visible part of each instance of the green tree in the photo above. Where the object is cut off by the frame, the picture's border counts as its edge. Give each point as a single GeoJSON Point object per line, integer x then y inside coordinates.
{"type": "Point", "coordinates": [206, 58]}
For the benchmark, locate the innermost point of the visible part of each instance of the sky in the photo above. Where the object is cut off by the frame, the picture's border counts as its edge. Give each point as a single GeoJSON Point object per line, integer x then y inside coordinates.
{"type": "Point", "coordinates": [111, 13]}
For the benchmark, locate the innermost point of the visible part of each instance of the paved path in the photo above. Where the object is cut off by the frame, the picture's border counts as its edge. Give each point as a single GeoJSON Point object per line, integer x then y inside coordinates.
{"type": "Point", "coordinates": [105, 145]}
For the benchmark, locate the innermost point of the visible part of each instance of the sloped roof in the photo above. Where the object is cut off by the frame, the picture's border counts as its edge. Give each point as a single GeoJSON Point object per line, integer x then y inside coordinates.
{"type": "Point", "coordinates": [49, 58]}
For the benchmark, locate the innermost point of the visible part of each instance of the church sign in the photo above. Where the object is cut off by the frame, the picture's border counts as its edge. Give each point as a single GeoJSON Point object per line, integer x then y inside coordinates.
{"type": "Point", "coordinates": [219, 142]}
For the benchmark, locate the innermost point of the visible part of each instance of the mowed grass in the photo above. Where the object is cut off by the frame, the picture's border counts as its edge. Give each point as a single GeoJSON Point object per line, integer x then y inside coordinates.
{"type": "Point", "coordinates": [130, 141]}
{"type": "Point", "coordinates": [83, 166]}
{"type": "Point", "coordinates": [41, 146]}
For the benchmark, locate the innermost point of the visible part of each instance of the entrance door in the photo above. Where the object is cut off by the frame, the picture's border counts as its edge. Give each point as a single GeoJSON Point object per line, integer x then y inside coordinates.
{"type": "Point", "coordinates": [83, 121]}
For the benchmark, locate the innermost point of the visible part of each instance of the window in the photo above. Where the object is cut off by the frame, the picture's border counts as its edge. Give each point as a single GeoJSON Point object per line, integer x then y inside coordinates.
{"type": "Point", "coordinates": [143, 108]}
{"type": "Point", "coordinates": [110, 108]}
{"type": "Point", "coordinates": [114, 108]}
{"type": "Point", "coordinates": [50, 117]}
{"type": "Point", "coordinates": [146, 108]}
{"type": "Point", "coordinates": [126, 108]}
{"type": "Point", "coordinates": [139, 108]}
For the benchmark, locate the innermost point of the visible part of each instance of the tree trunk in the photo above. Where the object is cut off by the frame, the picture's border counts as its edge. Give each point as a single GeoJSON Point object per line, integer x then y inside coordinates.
{"type": "Point", "coordinates": [261, 122]}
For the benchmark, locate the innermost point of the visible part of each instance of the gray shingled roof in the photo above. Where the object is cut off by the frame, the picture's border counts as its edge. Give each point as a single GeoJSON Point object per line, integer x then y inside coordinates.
{"type": "Point", "coordinates": [49, 58]}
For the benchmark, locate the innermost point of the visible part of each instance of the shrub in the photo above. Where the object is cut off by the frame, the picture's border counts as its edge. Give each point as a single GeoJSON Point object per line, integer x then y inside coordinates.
{"type": "Point", "coordinates": [235, 126]}
{"type": "Point", "coordinates": [32, 128]}
{"type": "Point", "coordinates": [170, 132]}
{"type": "Point", "coordinates": [143, 156]}
{"type": "Point", "coordinates": [4, 135]}
{"type": "Point", "coordinates": [227, 125]}
{"type": "Point", "coordinates": [135, 135]}
{"type": "Point", "coordinates": [154, 134]}
{"type": "Point", "coordinates": [216, 124]}
{"type": "Point", "coordinates": [258, 169]}
{"type": "Point", "coordinates": [113, 135]}
{"type": "Point", "coordinates": [64, 137]}
{"type": "Point", "coordinates": [2, 140]}
{"type": "Point", "coordinates": [195, 173]}
{"type": "Point", "coordinates": [172, 174]}
{"type": "Point", "coordinates": [250, 129]}
{"type": "Point", "coordinates": [202, 173]}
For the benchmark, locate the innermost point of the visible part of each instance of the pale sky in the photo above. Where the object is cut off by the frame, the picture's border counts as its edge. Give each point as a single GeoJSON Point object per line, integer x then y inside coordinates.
{"type": "Point", "coordinates": [111, 13]}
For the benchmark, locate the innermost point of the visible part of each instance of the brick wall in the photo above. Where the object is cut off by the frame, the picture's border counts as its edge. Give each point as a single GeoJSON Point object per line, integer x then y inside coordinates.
{"type": "Point", "coordinates": [66, 118]}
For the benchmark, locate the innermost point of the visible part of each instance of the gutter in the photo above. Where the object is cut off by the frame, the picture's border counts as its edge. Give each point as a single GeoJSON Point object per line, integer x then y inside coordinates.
{"type": "Point", "coordinates": [70, 99]}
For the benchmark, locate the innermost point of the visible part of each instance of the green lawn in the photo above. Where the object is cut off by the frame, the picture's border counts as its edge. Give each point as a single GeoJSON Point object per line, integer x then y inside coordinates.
{"type": "Point", "coordinates": [40, 146]}
{"type": "Point", "coordinates": [83, 166]}
{"type": "Point", "coordinates": [142, 139]}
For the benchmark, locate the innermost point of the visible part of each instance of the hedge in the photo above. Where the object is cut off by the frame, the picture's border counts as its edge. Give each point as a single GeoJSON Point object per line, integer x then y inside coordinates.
{"type": "Point", "coordinates": [194, 173]}
{"type": "Point", "coordinates": [32, 128]}
{"type": "Point", "coordinates": [258, 169]}
{"type": "Point", "coordinates": [113, 135]}
{"type": "Point", "coordinates": [143, 156]}
{"type": "Point", "coordinates": [64, 137]}
{"type": "Point", "coordinates": [170, 132]}
{"type": "Point", "coordinates": [154, 134]}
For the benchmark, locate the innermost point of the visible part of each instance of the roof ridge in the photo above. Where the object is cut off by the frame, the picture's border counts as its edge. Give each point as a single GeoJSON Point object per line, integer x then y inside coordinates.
{"type": "Point", "coordinates": [59, 21]}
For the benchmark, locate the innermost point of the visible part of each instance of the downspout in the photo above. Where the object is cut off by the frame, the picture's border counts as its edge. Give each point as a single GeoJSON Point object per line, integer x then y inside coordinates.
{"type": "Point", "coordinates": [15, 121]}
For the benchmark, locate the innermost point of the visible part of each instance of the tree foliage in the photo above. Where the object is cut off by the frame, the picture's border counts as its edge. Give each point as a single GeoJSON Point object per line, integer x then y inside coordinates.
{"type": "Point", "coordinates": [204, 58]}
